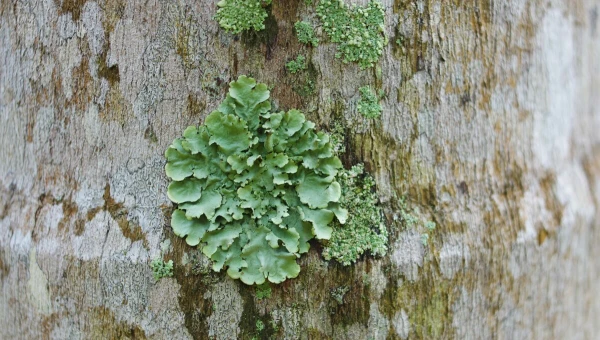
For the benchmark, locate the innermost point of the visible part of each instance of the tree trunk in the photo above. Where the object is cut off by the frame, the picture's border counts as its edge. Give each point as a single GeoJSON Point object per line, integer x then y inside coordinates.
{"type": "Point", "coordinates": [489, 129]}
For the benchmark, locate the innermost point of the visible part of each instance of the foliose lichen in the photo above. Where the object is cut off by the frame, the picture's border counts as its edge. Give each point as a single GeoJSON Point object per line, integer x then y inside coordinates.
{"type": "Point", "coordinates": [364, 229]}
{"type": "Point", "coordinates": [236, 16]}
{"type": "Point", "coordinates": [358, 30]}
{"type": "Point", "coordinates": [368, 105]}
{"type": "Point", "coordinates": [295, 66]}
{"type": "Point", "coordinates": [306, 33]}
{"type": "Point", "coordinates": [161, 268]}
{"type": "Point", "coordinates": [253, 186]}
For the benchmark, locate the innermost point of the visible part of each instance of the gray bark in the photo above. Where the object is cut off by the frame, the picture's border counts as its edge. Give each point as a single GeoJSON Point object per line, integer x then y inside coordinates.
{"type": "Point", "coordinates": [489, 129]}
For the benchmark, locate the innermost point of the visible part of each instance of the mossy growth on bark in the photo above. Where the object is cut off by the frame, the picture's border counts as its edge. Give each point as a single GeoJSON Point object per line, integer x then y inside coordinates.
{"type": "Point", "coordinates": [297, 65]}
{"type": "Point", "coordinates": [236, 16]}
{"type": "Point", "coordinates": [358, 30]}
{"type": "Point", "coordinates": [365, 229]}
{"type": "Point", "coordinates": [306, 33]}
{"type": "Point", "coordinates": [368, 105]}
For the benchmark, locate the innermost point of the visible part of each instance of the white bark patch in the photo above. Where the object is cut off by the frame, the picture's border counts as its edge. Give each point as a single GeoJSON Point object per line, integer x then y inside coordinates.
{"type": "Point", "coordinates": [91, 17]}
{"type": "Point", "coordinates": [37, 285]}
{"type": "Point", "coordinates": [69, 56]}
{"type": "Point", "coordinates": [376, 280]}
{"type": "Point", "coordinates": [401, 324]}
{"type": "Point", "coordinates": [168, 320]}
{"type": "Point", "coordinates": [408, 254]}
{"type": "Point", "coordinates": [553, 124]}
{"type": "Point", "coordinates": [289, 319]}
{"type": "Point", "coordinates": [454, 256]}
{"type": "Point", "coordinates": [93, 126]}
{"type": "Point", "coordinates": [140, 184]}
{"type": "Point", "coordinates": [66, 26]}
{"type": "Point", "coordinates": [378, 323]}
{"type": "Point", "coordinates": [100, 233]}
{"type": "Point", "coordinates": [227, 313]}
{"type": "Point", "coordinates": [470, 317]}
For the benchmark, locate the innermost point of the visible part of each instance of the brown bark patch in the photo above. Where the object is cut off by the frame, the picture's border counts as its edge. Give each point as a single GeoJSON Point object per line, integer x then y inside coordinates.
{"type": "Point", "coordinates": [71, 6]}
{"type": "Point", "coordinates": [104, 325]}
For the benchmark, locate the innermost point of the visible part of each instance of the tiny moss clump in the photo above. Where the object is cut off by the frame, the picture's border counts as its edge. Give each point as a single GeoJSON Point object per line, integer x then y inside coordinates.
{"type": "Point", "coordinates": [263, 291]}
{"type": "Point", "coordinates": [236, 16]}
{"type": "Point", "coordinates": [306, 33]}
{"type": "Point", "coordinates": [161, 268]}
{"type": "Point", "coordinates": [365, 229]}
{"type": "Point", "coordinates": [295, 66]}
{"type": "Point", "coordinates": [259, 325]}
{"type": "Point", "coordinates": [253, 186]}
{"type": "Point", "coordinates": [358, 30]}
{"type": "Point", "coordinates": [368, 106]}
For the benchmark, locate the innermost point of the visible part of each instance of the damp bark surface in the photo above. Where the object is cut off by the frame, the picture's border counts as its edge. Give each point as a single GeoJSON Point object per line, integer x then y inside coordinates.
{"type": "Point", "coordinates": [489, 129]}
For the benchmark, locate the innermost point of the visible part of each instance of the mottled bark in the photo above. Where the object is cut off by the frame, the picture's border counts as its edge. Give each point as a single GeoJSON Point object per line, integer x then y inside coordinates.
{"type": "Point", "coordinates": [489, 128]}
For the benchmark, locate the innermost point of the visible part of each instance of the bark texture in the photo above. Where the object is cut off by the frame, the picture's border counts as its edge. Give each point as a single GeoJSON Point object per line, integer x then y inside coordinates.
{"type": "Point", "coordinates": [489, 128]}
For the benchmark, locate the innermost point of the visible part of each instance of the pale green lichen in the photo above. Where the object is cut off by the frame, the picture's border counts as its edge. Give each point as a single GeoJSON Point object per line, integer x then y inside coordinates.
{"type": "Point", "coordinates": [161, 268]}
{"type": "Point", "coordinates": [338, 294]}
{"type": "Point", "coordinates": [368, 105]}
{"type": "Point", "coordinates": [430, 226]}
{"type": "Point", "coordinates": [236, 16]}
{"type": "Point", "coordinates": [359, 31]}
{"type": "Point", "coordinates": [365, 229]}
{"type": "Point", "coordinates": [306, 33]}
{"type": "Point", "coordinates": [295, 66]}
{"type": "Point", "coordinates": [253, 187]}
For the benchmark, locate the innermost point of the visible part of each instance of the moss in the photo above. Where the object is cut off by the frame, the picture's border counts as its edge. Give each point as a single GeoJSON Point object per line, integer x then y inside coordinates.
{"type": "Point", "coordinates": [365, 229]}
{"type": "Point", "coordinates": [368, 106]}
{"type": "Point", "coordinates": [295, 66]}
{"type": "Point", "coordinates": [263, 291]}
{"type": "Point", "coordinates": [259, 326]}
{"type": "Point", "coordinates": [306, 33]}
{"type": "Point", "coordinates": [358, 30]}
{"type": "Point", "coordinates": [236, 16]}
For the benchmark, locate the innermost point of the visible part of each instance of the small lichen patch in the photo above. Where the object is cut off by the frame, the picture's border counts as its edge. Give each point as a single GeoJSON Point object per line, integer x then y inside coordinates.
{"type": "Point", "coordinates": [306, 33]}
{"type": "Point", "coordinates": [161, 268]}
{"type": "Point", "coordinates": [368, 105]}
{"type": "Point", "coordinates": [364, 229]}
{"type": "Point", "coordinates": [358, 30]}
{"type": "Point", "coordinates": [236, 16]}
{"type": "Point", "coordinates": [295, 66]}
{"type": "Point", "coordinates": [338, 294]}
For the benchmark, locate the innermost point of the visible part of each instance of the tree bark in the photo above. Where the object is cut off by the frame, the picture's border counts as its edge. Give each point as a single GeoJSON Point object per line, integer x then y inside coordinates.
{"type": "Point", "coordinates": [489, 129]}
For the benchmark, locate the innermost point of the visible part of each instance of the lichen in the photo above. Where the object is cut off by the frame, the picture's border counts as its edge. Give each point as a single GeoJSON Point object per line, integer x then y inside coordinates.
{"type": "Point", "coordinates": [161, 268]}
{"type": "Point", "coordinates": [368, 105]}
{"type": "Point", "coordinates": [253, 187]}
{"type": "Point", "coordinates": [359, 31]}
{"type": "Point", "coordinates": [365, 229]}
{"type": "Point", "coordinates": [338, 294]}
{"type": "Point", "coordinates": [236, 16]}
{"type": "Point", "coordinates": [306, 33]}
{"type": "Point", "coordinates": [295, 66]}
